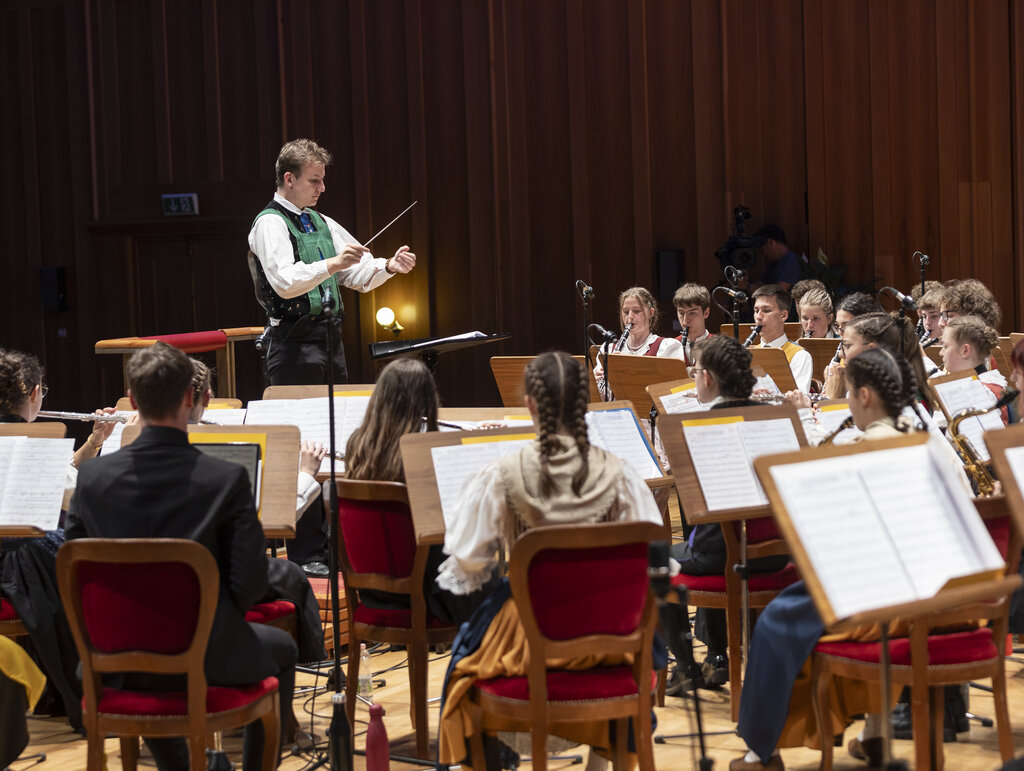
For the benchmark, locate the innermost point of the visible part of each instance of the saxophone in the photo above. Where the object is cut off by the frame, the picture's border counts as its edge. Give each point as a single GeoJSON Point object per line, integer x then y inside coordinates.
{"type": "Point", "coordinates": [847, 423]}
{"type": "Point", "coordinates": [976, 468]}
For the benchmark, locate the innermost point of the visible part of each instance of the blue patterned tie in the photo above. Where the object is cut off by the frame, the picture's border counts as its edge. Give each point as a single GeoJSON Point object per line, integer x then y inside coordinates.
{"type": "Point", "coordinates": [307, 222]}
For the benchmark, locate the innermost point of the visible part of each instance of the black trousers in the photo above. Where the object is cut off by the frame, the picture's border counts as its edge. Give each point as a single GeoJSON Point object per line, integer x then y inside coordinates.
{"type": "Point", "coordinates": [14, 725]}
{"type": "Point", "coordinates": [172, 754]}
{"type": "Point", "coordinates": [296, 352]}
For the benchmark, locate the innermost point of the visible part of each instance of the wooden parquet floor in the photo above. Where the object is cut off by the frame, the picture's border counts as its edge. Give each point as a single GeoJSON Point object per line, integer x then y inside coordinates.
{"type": "Point", "coordinates": [977, 749]}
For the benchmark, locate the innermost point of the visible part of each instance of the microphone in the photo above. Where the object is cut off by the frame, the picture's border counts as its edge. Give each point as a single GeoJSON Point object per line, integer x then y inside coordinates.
{"type": "Point", "coordinates": [261, 341]}
{"type": "Point", "coordinates": [907, 301]}
{"type": "Point", "coordinates": [622, 340]}
{"type": "Point", "coordinates": [924, 258]}
{"type": "Point", "coordinates": [586, 292]}
{"type": "Point", "coordinates": [603, 334]}
{"type": "Point", "coordinates": [736, 294]}
{"type": "Point", "coordinates": [753, 333]}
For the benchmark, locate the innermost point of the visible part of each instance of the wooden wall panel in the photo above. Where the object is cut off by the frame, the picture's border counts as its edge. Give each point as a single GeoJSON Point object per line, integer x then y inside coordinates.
{"type": "Point", "coordinates": [545, 142]}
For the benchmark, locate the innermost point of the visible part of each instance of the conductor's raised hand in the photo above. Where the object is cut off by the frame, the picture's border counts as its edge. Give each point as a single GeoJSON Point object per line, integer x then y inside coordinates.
{"type": "Point", "coordinates": [403, 261]}
{"type": "Point", "coordinates": [346, 258]}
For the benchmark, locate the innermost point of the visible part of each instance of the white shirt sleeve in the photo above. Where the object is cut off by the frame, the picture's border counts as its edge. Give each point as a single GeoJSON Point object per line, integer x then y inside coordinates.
{"type": "Point", "coordinates": [368, 273]}
{"type": "Point", "coordinates": [670, 348]}
{"type": "Point", "coordinates": [471, 535]}
{"type": "Point", "coordinates": [802, 367]}
{"type": "Point", "coordinates": [636, 499]}
{"type": "Point", "coordinates": [308, 487]}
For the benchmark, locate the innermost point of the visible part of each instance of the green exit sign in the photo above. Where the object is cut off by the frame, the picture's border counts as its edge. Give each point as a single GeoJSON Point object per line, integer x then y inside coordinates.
{"type": "Point", "coordinates": [179, 204]}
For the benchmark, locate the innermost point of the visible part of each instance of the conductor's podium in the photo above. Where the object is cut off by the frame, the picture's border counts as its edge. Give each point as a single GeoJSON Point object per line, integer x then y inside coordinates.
{"type": "Point", "coordinates": [220, 340]}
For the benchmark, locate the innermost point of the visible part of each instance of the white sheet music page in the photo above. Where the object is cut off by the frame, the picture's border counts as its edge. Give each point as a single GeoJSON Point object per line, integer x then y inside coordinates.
{"type": "Point", "coordinates": [1015, 457]}
{"type": "Point", "coordinates": [32, 474]}
{"type": "Point", "coordinates": [720, 460]}
{"type": "Point", "coordinates": [224, 417]}
{"type": "Point", "coordinates": [454, 464]}
{"type": "Point", "coordinates": [764, 437]}
{"type": "Point", "coordinates": [619, 433]}
{"type": "Point", "coordinates": [831, 416]}
{"type": "Point", "coordinates": [271, 412]}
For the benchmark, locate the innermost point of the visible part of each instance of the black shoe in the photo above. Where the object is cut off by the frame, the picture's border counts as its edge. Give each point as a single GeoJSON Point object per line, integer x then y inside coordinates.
{"type": "Point", "coordinates": [903, 725]}
{"type": "Point", "coordinates": [679, 684]}
{"type": "Point", "coordinates": [316, 570]}
{"type": "Point", "coordinates": [715, 669]}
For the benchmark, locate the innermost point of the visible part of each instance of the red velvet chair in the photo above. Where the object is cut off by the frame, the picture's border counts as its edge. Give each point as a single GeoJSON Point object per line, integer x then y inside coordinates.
{"type": "Point", "coordinates": [147, 606]}
{"type": "Point", "coordinates": [726, 591]}
{"type": "Point", "coordinates": [377, 550]}
{"type": "Point", "coordinates": [580, 590]}
{"type": "Point", "coordinates": [930, 659]}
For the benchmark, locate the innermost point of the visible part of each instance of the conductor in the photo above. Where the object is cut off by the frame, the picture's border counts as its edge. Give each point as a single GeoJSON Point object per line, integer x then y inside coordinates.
{"type": "Point", "coordinates": [301, 259]}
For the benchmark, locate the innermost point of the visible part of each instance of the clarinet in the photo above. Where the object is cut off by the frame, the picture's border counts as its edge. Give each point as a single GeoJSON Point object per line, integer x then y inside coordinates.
{"type": "Point", "coordinates": [685, 341]}
{"type": "Point", "coordinates": [839, 354]}
{"type": "Point", "coordinates": [621, 343]}
{"type": "Point", "coordinates": [753, 333]}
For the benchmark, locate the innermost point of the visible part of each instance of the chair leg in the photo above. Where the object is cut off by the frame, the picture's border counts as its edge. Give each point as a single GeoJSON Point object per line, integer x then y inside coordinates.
{"type": "Point", "coordinates": [129, 753]}
{"type": "Point", "coordinates": [734, 642]}
{"type": "Point", "coordinates": [937, 705]}
{"type": "Point", "coordinates": [1002, 714]}
{"type": "Point", "coordinates": [197, 751]}
{"type": "Point", "coordinates": [662, 684]}
{"type": "Point", "coordinates": [271, 720]}
{"type": "Point", "coordinates": [539, 744]}
{"type": "Point", "coordinates": [620, 745]}
{"type": "Point", "coordinates": [95, 760]}
{"type": "Point", "coordinates": [819, 695]}
{"type": "Point", "coordinates": [476, 752]}
{"type": "Point", "coordinates": [921, 726]}
{"type": "Point", "coordinates": [352, 678]}
{"type": "Point", "coordinates": [418, 692]}
{"type": "Point", "coordinates": [642, 732]}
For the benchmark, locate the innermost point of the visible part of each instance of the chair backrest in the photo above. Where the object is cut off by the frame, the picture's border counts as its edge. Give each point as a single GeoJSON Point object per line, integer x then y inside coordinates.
{"type": "Point", "coordinates": [139, 605]}
{"type": "Point", "coordinates": [375, 533]}
{"type": "Point", "coordinates": [584, 588]}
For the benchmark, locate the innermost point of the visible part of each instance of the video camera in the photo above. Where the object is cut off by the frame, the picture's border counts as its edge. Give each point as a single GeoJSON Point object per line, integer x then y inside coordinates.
{"type": "Point", "coordinates": [740, 250]}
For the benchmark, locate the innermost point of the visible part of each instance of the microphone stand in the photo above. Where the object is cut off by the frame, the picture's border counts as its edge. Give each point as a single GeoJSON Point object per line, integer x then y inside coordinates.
{"type": "Point", "coordinates": [586, 294]}
{"type": "Point", "coordinates": [340, 731]}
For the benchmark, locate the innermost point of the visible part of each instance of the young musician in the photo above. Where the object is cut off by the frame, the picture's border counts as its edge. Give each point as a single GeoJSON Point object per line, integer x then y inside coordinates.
{"type": "Point", "coordinates": [849, 308]}
{"type": "Point", "coordinates": [693, 304]}
{"type": "Point", "coordinates": [967, 343]}
{"type": "Point", "coordinates": [638, 312]}
{"type": "Point", "coordinates": [722, 377]}
{"type": "Point", "coordinates": [777, 709]}
{"type": "Point", "coordinates": [816, 315]}
{"type": "Point", "coordinates": [559, 479]}
{"type": "Point", "coordinates": [929, 309]}
{"type": "Point", "coordinates": [771, 309]}
{"type": "Point", "coordinates": [161, 486]}
{"type": "Point", "coordinates": [873, 329]}
{"type": "Point", "coordinates": [969, 297]}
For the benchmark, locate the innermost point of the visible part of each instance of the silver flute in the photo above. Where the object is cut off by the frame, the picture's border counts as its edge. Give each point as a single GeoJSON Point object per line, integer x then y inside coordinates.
{"type": "Point", "coordinates": [88, 417]}
{"type": "Point", "coordinates": [781, 398]}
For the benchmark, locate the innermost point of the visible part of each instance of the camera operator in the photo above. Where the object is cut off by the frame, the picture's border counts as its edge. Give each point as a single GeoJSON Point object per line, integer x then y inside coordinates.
{"type": "Point", "coordinates": [782, 265]}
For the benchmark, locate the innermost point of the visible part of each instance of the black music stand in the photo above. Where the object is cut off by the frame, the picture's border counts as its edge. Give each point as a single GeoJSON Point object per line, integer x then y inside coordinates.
{"type": "Point", "coordinates": [429, 348]}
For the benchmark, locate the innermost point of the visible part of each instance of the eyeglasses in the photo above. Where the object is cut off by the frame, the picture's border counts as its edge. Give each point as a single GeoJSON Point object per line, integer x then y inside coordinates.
{"type": "Point", "coordinates": [692, 371]}
{"type": "Point", "coordinates": [947, 315]}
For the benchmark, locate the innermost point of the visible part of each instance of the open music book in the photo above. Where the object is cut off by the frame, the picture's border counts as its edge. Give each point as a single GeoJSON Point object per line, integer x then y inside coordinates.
{"type": "Point", "coordinates": [885, 527]}
{"type": "Point", "coordinates": [618, 432]}
{"type": "Point", "coordinates": [682, 399]}
{"type": "Point", "coordinates": [969, 393]}
{"type": "Point", "coordinates": [723, 449]}
{"type": "Point", "coordinates": [32, 476]}
{"type": "Point", "coordinates": [312, 418]}
{"type": "Point", "coordinates": [831, 416]}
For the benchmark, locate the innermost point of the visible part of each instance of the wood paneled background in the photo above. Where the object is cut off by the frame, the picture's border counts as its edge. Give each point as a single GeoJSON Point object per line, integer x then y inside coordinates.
{"type": "Point", "coordinates": [545, 141]}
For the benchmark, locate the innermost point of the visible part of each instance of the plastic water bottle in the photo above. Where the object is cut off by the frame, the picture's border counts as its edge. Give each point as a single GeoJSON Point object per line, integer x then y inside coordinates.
{"type": "Point", "coordinates": [377, 750]}
{"type": "Point", "coordinates": [365, 673]}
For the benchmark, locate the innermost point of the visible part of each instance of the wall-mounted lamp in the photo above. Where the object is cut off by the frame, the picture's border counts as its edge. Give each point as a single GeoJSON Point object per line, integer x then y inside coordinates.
{"type": "Point", "coordinates": [386, 318]}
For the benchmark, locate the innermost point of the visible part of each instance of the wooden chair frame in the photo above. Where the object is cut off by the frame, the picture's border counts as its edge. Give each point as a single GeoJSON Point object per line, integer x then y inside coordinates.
{"type": "Point", "coordinates": [927, 705]}
{"type": "Point", "coordinates": [197, 723]}
{"type": "Point", "coordinates": [419, 638]}
{"type": "Point", "coordinates": [537, 713]}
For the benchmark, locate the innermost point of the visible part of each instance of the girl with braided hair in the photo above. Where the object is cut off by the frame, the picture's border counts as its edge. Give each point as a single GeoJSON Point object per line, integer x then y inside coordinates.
{"type": "Point", "coordinates": [558, 479]}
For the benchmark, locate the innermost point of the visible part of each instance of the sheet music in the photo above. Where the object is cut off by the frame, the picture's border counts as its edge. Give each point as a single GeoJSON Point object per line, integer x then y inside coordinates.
{"type": "Point", "coordinates": [224, 417]}
{"type": "Point", "coordinates": [831, 418]}
{"type": "Point", "coordinates": [724, 473]}
{"type": "Point", "coordinates": [113, 442]}
{"type": "Point", "coordinates": [764, 437]}
{"type": "Point", "coordinates": [1015, 457]}
{"type": "Point", "coordinates": [682, 401]}
{"type": "Point", "coordinates": [311, 416]}
{"type": "Point", "coordinates": [766, 383]}
{"type": "Point", "coordinates": [884, 527]}
{"type": "Point", "coordinates": [456, 463]}
{"type": "Point", "coordinates": [618, 432]}
{"type": "Point", "coordinates": [32, 474]}
{"type": "Point", "coordinates": [966, 393]}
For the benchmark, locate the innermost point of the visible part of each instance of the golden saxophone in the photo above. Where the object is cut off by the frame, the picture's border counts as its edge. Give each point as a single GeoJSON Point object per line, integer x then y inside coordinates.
{"type": "Point", "coordinates": [976, 468]}
{"type": "Point", "coordinates": [847, 423]}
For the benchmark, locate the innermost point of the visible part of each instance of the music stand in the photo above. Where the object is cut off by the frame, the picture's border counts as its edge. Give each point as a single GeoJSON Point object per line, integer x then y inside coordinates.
{"type": "Point", "coordinates": [40, 431]}
{"type": "Point", "coordinates": [822, 350]}
{"type": "Point", "coordinates": [430, 348]}
{"type": "Point", "coordinates": [775, 364]}
{"type": "Point", "coordinates": [508, 375]}
{"type": "Point", "coordinates": [279, 470]}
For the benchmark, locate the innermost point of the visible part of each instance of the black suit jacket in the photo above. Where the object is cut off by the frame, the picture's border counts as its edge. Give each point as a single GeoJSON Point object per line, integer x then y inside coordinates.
{"type": "Point", "coordinates": [162, 487]}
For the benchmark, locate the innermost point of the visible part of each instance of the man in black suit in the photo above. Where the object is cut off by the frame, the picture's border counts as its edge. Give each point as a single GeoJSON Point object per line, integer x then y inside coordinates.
{"type": "Point", "coordinates": [161, 487]}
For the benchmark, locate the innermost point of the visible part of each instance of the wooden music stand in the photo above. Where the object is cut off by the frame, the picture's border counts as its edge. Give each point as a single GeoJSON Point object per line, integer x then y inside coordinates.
{"type": "Point", "coordinates": [42, 431]}
{"type": "Point", "coordinates": [793, 330]}
{"type": "Point", "coordinates": [982, 584]}
{"type": "Point", "coordinates": [822, 350]}
{"type": "Point", "coordinates": [933, 353]}
{"type": "Point", "coordinates": [508, 375]}
{"type": "Point", "coordinates": [629, 377]}
{"type": "Point", "coordinates": [660, 392]}
{"type": "Point", "coordinates": [964, 374]}
{"type": "Point", "coordinates": [483, 413]}
{"type": "Point", "coordinates": [1005, 447]}
{"type": "Point", "coordinates": [316, 391]}
{"type": "Point", "coordinates": [774, 362]}
{"type": "Point", "coordinates": [279, 478]}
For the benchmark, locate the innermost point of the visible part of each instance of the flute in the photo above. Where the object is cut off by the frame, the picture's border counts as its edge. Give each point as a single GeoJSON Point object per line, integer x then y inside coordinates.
{"type": "Point", "coordinates": [781, 398]}
{"type": "Point", "coordinates": [88, 417]}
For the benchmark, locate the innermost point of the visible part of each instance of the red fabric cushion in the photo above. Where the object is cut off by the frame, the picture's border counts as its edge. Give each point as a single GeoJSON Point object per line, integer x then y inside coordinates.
{"type": "Point", "coordinates": [379, 536]}
{"type": "Point", "coordinates": [589, 684]}
{"type": "Point", "coordinates": [175, 703]}
{"type": "Point", "coordinates": [954, 648]}
{"type": "Point", "coordinates": [130, 607]}
{"type": "Point", "coordinates": [759, 582]}
{"type": "Point", "coordinates": [999, 529]}
{"type": "Point", "coordinates": [7, 611]}
{"type": "Point", "coordinates": [395, 619]}
{"type": "Point", "coordinates": [759, 529]}
{"type": "Point", "coordinates": [265, 612]}
{"type": "Point", "coordinates": [589, 583]}
{"type": "Point", "coordinates": [194, 342]}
